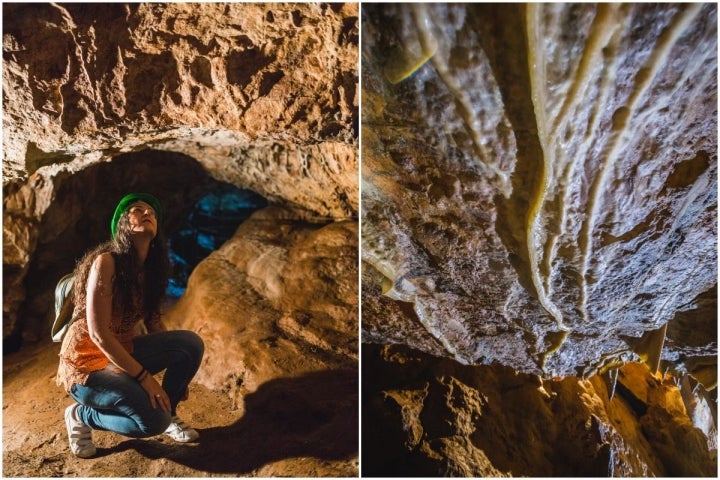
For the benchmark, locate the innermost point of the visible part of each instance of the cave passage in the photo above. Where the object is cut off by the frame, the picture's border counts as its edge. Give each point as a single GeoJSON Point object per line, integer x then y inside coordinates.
{"type": "Point", "coordinates": [200, 213]}
{"type": "Point", "coordinates": [212, 221]}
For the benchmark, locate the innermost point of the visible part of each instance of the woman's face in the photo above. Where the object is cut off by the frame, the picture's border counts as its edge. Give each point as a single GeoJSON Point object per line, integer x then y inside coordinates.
{"type": "Point", "coordinates": [142, 219]}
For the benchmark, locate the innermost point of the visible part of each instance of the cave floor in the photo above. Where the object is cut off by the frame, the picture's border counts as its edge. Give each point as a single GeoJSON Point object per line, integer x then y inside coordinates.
{"type": "Point", "coordinates": [231, 443]}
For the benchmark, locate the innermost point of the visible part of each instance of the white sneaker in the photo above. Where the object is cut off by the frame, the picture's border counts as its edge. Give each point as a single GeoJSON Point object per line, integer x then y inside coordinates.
{"type": "Point", "coordinates": [79, 434]}
{"type": "Point", "coordinates": [181, 431]}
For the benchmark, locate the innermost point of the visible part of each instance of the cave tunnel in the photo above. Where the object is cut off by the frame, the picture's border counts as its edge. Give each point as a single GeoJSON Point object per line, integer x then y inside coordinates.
{"type": "Point", "coordinates": [199, 214]}
{"type": "Point", "coordinates": [213, 219]}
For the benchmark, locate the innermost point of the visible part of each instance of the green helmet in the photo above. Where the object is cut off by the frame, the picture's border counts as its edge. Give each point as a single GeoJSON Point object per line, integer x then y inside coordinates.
{"type": "Point", "coordinates": [128, 200]}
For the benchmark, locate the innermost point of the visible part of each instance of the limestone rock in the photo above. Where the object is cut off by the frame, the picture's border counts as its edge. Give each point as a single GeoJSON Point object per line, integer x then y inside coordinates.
{"type": "Point", "coordinates": [277, 300]}
{"type": "Point", "coordinates": [426, 416]}
{"type": "Point", "coordinates": [252, 91]}
{"type": "Point", "coordinates": [540, 181]}
{"type": "Point", "coordinates": [239, 77]}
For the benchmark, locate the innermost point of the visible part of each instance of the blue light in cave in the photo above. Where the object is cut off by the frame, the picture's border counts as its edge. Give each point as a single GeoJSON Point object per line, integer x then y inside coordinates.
{"type": "Point", "coordinates": [213, 220]}
{"type": "Point", "coordinates": [206, 241]}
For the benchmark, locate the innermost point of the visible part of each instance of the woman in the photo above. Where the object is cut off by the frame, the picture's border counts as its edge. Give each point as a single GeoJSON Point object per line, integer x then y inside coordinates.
{"type": "Point", "coordinates": [104, 365]}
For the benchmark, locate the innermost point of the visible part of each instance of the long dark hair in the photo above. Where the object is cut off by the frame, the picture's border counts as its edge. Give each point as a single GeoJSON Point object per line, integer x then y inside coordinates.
{"type": "Point", "coordinates": [126, 286]}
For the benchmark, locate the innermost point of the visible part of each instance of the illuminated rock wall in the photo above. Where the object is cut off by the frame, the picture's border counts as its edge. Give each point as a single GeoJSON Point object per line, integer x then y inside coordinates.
{"type": "Point", "coordinates": [426, 416]}
{"type": "Point", "coordinates": [279, 299]}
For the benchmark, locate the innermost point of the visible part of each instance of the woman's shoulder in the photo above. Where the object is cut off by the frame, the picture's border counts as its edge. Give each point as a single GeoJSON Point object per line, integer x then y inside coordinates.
{"type": "Point", "coordinates": [100, 253]}
{"type": "Point", "coordinates": [105, 262]}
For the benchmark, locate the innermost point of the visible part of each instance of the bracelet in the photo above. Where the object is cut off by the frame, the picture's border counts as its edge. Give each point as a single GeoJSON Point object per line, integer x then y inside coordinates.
{"type": "Point", "coordinates": [142, 372]}
{"type": "Point", "coordinates": [140, 380]}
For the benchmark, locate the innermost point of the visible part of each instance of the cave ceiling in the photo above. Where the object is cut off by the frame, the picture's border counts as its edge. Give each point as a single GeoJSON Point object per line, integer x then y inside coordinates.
{"type": "Point", "coordinates": [540, 183]}
{"type": "Point", "coordinates": [264, 96]}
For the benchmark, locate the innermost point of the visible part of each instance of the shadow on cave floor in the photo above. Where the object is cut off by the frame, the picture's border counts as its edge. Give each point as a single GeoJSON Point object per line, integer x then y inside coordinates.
{"type": "Point", "coordinates": [304, 426]}
{"type": "Point", "coordinates": [315, 415]}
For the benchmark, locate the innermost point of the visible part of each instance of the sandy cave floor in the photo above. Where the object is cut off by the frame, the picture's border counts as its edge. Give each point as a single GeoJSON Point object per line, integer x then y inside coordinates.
{"type": "Point", "coordinates": [303, 426]}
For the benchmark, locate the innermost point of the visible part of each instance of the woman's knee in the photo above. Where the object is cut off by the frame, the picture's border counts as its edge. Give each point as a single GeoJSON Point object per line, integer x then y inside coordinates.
{"type": "Point", "coordinates": [193, 344]}
{"type": "Point", "coordinates": [154, 423]}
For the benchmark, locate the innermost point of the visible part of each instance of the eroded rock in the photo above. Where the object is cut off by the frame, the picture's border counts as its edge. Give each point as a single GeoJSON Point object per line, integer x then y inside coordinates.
{"type": "Point", "coordinates": [277, 300]}
{"type": "Point", "coordinates": [428, 416]}
{"type": "Point", "coordinates": [542, 190]}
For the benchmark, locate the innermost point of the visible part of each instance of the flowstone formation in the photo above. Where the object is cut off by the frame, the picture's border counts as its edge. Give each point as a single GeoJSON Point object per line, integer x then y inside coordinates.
{"type": "Point", "coordinates": [540, 184]}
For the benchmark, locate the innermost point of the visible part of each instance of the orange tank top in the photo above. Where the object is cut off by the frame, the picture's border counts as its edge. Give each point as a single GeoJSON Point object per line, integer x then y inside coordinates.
{"type": "Point", "coordinates": [80, 356]}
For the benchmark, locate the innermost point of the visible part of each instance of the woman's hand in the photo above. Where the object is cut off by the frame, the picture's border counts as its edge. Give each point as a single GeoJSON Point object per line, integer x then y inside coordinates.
{"type": "Point", "coordinates": [158, 397]}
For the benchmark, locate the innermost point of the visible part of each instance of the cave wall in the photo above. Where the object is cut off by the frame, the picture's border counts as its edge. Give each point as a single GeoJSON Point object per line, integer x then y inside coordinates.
{"type": "Point", "coordinates": [540, 184]}
{"type": "Point", "coordinates": [426, 416]}
{"type": "Point", "coordinates": [262, 96]}
{"type": "Point", "coordinates": [249, 90]}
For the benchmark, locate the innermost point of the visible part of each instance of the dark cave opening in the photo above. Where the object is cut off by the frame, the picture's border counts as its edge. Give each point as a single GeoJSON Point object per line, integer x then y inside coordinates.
{"type": "Point", "coordinates": [199, 214]}
{"type": "Point", "coordinates": [212, 221]}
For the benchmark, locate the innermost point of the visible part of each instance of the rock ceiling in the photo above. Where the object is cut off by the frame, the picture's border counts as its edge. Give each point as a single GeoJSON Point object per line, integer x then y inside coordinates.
{"type": "Point", "coordinates": [230, 87]}
{"type": "Point", "coordinates": [540, 183]}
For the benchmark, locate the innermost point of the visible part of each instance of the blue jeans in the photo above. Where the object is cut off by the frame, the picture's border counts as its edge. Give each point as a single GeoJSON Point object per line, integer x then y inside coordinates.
{"type": "Point", "coordinates": [113, 400]}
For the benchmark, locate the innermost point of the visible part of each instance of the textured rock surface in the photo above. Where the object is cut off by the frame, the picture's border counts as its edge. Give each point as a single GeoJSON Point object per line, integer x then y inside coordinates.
{"type": "Point", "coordinates": [542, 191]}
{"type": "Point", "coordinates": [279, 299]}
{"type": "Point", "coordinates": [263, 96]}
{"type": "Point", "coordinates": [88, 78]}
{"type": "Point", "coordinates": [425, 416]}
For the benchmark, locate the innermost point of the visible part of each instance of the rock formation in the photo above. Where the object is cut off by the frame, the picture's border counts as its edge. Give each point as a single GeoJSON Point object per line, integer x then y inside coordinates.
{"type": "Point", "coordinates": [270, 293]}
{"type": "Point", "coordinates": [426, 416]}
{"type": "Point", "coordinates": [263, 96]}
{"type": "Point", "coordinates": [539, 189]}
{"type": "Point", "coordinates": [542, 190]}
{"type": "Point", "coordinates": [174, 99]}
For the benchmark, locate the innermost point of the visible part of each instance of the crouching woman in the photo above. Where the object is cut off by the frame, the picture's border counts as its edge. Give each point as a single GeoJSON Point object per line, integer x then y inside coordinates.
{"type": "Point", "coordinates": [105, 366]}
